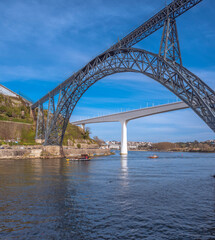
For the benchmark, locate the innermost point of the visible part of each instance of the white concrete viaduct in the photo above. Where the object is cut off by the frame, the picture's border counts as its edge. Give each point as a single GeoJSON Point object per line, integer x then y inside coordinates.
{"type": "Point", "coordinates": [124, 117]}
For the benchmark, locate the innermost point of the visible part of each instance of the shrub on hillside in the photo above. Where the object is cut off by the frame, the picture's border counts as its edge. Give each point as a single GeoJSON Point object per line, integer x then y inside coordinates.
{"type": "Point", "coordinates": [3, 109]}
{"type": "Point", "coordinates": [86, 133]}
{"type": "Point", "coordinates": [9, 112]}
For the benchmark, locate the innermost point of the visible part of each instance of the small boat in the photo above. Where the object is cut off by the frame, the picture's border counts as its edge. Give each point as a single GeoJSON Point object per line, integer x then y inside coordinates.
{"type": "Point", "coordinates": [153, 156]}
{"type": "Point", "coordinates": [84, 157]}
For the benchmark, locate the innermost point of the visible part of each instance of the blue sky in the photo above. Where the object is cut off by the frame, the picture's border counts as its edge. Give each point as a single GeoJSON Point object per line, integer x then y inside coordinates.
{"type": "Point", "coordinates": [43, 42]}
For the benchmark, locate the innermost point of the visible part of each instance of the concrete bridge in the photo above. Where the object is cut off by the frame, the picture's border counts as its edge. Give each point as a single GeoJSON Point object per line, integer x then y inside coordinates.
{"type": "Point", "coordinates": [124, 117]}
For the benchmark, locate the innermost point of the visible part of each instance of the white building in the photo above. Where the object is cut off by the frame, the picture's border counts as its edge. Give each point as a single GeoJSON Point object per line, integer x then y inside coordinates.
{"type": "Point", "coordinates": [7, 92]}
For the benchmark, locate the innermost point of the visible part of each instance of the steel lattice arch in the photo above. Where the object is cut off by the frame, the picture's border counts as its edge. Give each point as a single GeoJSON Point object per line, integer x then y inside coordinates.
{"type": "Point", "coordinates": [188, 87]}
{"type": "Point", "coordinates": [165, 68]}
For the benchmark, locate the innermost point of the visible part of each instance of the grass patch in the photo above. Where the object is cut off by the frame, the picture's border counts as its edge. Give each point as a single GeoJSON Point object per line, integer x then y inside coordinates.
{"type": "Point", "coordinates": [28, 137]}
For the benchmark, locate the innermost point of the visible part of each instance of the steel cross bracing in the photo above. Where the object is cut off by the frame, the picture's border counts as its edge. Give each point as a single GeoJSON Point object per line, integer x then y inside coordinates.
{"type": "Point", "coordinates": [40, 130]}
{"type": "Point", "coordinates": [175, 77]}
{"type": "Point", "coordinates": [169, 47]}
{"type": "Point", "coordinates": [173, 10]}
{"type": "Point", "coordinates": [164, 67]}
{"type": "Point", "coordinates": [50, 114]}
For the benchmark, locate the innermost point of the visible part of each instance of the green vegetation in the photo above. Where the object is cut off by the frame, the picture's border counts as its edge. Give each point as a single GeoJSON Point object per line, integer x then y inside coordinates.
{"type": "Point", "coordinates": [16, 110]}
{"type": "Point", "coordinates": [28, 137]}
{"type": "Point", "coordinates": [86, 133]}
{"type": "Point", "coordinates": [207, 146]}
{"type": "Point", "coordinates": [75, 133]}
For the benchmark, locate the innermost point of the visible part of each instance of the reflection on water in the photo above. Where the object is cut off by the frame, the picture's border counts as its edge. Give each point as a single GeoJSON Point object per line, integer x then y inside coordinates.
{"type": "Point", "coordinates": [124, 168]}
{"type": "Point", "coordinates": [115, 197]}
{"type": "Point", "coordinates": [124, 164]}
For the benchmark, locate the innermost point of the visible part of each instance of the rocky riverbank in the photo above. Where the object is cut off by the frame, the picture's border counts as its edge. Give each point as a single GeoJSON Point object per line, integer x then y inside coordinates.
{"type": "Point", "coordinates": [39, 151]}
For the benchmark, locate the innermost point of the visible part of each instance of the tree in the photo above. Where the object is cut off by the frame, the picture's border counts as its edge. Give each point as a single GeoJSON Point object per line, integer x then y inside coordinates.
{"type": "Point", "coordinates": [98, 141]}
{"type": "Point", "coordinates": [86, 134]}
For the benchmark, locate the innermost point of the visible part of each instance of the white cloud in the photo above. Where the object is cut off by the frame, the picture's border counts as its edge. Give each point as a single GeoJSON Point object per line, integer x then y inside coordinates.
{"type": "Point", "coordinates": [22, 73]}
{"type": "Point", "coordinates": [49, 40]}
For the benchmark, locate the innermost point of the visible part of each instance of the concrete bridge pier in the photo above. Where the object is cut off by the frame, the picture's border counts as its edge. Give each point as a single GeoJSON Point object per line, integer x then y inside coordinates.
{"type": "Point", "coordinates": [125, 117]}
{"type": "Point", "coordinates": [124, 147]}
{"type": "Point", "coordinates": [83, 126]}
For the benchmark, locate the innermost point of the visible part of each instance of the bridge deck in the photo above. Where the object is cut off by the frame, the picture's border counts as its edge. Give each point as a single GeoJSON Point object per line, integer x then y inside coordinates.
{"type": "Point", "coordinates": [130, 115]}
{"type": "Point", "coordinates": [174, 10]}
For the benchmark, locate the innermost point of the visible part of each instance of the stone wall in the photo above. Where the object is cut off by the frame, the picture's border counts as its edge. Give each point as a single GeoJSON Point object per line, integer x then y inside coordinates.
{"type": "Point", "coordinates": [29, 152]}
{"type": "Point", "coordinates": [12, 130]}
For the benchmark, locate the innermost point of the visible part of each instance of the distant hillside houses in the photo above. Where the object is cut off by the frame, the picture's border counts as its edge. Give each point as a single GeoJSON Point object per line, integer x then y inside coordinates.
{"type": "Point", "coordinates": [116, 145]}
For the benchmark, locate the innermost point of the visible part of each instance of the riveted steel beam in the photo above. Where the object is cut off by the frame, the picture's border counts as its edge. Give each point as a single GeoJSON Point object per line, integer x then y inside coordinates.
{"type": "Point", "coordinates": [173, 10]}
{"type": "Point", "coordinates": [188, 87]}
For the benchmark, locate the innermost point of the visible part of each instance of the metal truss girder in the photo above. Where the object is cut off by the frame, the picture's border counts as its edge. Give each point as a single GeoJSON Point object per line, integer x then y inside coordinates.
{"type": "Point", "coordinates": [188, 87]}
{"type": "Point", "coordinates": [169, 47]}
{"type": "Point", "coordinates": [50, 114]}
{"type": "Point", "coordinates": [40, 130]}
{"type": "Point", "coordinates": [173, 10]}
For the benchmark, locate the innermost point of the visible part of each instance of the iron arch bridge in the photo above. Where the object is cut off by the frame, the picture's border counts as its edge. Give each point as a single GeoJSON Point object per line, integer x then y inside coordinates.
{"type": "Point", "coordinates": [165, 67]}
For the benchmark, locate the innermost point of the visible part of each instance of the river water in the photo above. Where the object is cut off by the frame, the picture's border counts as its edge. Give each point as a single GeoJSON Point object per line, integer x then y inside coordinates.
{"type": "Point", "coordinates": [134, 197]}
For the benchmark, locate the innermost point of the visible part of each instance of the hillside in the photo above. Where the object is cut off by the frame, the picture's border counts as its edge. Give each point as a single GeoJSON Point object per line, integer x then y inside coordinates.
{"type": "Point", "coordinates": [14, 109]}
{"type": "Point", "coordinates": [206, 146]}
{"type": "Point", "coordinates": [18, 126]}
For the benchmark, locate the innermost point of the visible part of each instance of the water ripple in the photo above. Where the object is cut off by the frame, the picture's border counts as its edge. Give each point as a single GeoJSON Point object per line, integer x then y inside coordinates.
{"type": "Point", "coordinates": [172, 197]}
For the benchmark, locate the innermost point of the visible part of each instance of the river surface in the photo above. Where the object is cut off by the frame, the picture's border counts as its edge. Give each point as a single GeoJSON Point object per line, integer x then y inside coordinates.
{"type": "Point", "coordinates": [172, 197]}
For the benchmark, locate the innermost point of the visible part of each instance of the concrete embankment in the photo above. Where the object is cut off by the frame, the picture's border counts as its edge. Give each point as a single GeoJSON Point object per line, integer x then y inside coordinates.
{"type": "Point", "coordinates": [31, 152]}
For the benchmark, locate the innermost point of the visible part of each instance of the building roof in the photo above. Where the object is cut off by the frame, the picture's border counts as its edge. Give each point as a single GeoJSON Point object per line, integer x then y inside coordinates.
{"type": "Point", "coordinates": [6, 91]}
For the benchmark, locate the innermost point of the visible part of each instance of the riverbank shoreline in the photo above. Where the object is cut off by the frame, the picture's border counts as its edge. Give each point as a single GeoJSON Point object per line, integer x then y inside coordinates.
{"type": "Point", "coordinates": [170, 151]}
{"type": "Point", "coordinates": [49, 152]}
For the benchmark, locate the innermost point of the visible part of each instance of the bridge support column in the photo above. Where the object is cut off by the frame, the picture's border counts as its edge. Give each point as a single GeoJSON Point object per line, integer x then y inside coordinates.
{"type": "Point", "coordinates": [40, 129]}
{"type": "Point", "coordinates": [83, 126]}
{"type": "Point", "coordinates": [124, 148]}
